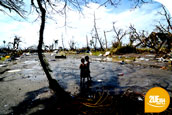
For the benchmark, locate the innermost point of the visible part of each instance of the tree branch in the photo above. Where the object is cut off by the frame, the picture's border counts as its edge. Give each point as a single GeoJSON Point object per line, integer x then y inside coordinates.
{"type": "Point", "coordinates": [11, 6]}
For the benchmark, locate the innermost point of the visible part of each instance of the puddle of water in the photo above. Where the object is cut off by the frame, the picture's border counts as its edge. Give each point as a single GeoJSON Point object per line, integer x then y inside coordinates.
{"type": "Point", "coordinates": [30, 62]}
{"type": "Point", "coordinates": [28, 69]}
{"type": "Point", "coordinates": [114, 77]}
{"type": "Point", "coordinates": [99, 80]}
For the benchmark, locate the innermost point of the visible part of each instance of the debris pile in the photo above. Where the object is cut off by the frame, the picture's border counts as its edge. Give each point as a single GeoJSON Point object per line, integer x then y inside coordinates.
{"type": "Point", "coordinates": [60, 55]}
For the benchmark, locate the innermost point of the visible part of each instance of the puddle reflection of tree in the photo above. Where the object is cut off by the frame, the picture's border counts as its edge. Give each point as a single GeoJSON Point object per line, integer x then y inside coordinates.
{"type": "Point", "coordinates": [110, 82]}
{"type": "Point", "coordinates": [108, 76]}
{"type": "Point", "coordinates": [65, 77]}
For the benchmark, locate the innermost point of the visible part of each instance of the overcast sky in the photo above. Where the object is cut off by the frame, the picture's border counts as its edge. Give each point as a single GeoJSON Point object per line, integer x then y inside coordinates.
{"type": "Point", "coordinates": [79, 25]}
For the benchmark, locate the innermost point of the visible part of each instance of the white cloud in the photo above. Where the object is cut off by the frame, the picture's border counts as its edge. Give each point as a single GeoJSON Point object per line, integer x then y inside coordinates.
{"type": "Point", "coordinates": [78, 25]}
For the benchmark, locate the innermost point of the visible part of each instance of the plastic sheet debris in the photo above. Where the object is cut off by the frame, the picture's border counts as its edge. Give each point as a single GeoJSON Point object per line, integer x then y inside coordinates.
{"type": "Point", "coordinates": [18, 58]}
{"type": "Point", "coordinates": [27, 54]}
{"type": "Point", "coordinates": [140, 99]}
{"type": "Point", "coordinates": [107, 53]}
{"type": "Point", "coordinates": [100, 55]}
{"type": "Point", "coordinates": [52, 54]}
{"type": "Point", "coordinates": [120, 74]}
{"type": "Point", "coordinates": [142, 59]}
{"type": "Point", "coordinates": [15, 70]}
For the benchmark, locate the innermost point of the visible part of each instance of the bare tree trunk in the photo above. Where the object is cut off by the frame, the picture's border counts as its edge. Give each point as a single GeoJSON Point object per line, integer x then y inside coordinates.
{"type": "Point", "coordinates": [168, 18]}
{"type": "Point", "coordinates": [41, 32]}
{"type": "Point", "coordinates": [167, 29]}
{"type": "Point", "coordinates": [134, 36]}
{"type": "Point", "coordinates": [94, 40]}
{"type": "Point", "coordinates": [119, 34]}
{"type": "Point", "coordinates": [87, 42]}
{"type": "Point", "coordinates": [53, 84]}
{"type": "Point", "coordinates": [105, 39]}
{"type": "Point", "coordinates": [96, 33]}
{"type": "Point", "coordinates": [62, 42]}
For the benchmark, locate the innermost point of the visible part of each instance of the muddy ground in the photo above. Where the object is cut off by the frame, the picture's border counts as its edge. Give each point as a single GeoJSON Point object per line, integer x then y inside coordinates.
{"type": "Point", "coordinates": [24, 86]}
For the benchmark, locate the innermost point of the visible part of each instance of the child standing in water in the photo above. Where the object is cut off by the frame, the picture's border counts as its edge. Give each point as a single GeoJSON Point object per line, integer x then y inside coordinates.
{"type": "Point", "coordinates": [87, 68]}
{"type": "Point", "coordinates": [82, 71]}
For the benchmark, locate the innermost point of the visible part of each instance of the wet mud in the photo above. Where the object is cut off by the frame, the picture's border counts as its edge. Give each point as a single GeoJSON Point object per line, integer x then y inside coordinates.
{"type": "Point", "coordinates": [23, 82]}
